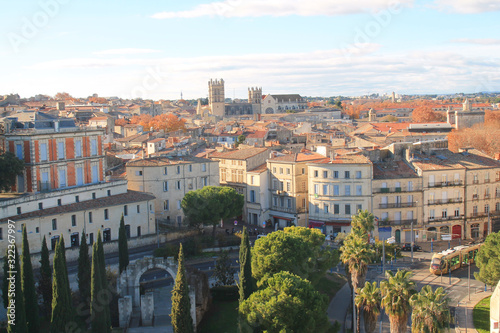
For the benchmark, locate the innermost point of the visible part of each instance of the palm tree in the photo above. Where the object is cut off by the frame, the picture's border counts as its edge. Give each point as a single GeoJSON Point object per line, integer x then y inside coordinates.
{"type": "Point", "coordinates": [368, 299]}
{"type": "Point", "coordinates": [431, 313]}
{"type": "Point", "coordinates": [396, 293]}
{"type": "Point", "coordinates": [363, 220]}
{"type": "Point", "coordinates": [356, 255]}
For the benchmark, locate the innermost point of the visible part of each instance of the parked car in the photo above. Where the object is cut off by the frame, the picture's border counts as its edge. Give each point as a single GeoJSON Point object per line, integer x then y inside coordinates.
{"type": "Point", "coordinates": [407, 247]}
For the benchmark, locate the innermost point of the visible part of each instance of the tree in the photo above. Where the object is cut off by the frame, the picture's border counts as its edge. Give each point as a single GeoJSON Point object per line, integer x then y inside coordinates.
{"type": "Point", "coordinates": [45, 281]}
{"type": "Point", "coordinates": [84, 273]}
{"type": "Point", "coordinates": [363, 220]}
{"type": "Point", "coordinates": [18, 324]}
{"type": "Point", "coordinates": [396, 293]}
{"type": "Point", "coordinates": [297, 250]}
{"type": "Point", "coordinates": [182, 322]}
{"type": "Point", "coordinates": [430, 310]}
{"type": "Point", "coordinates": [210, 204]}
{"type": "Point", "coordinates": [60, 96]}
{"type": "Point", "coordinates": [286, 303]}
{"type": "Point", "coordinates": [11, 166]}
{"type": "Point", "coordinates": [97, 309]}
{"type": "Point", "coordinates": [28, 285]}
{"type": "Point", "coordinates": [104, 296]}
{"type": "Point", "coordinates": [223, 271]}
{"type": "Point", "coordinates": [241, 138]}
{"type": "Point", "coordinates": [425, 114]}
{"type": "Point", "coordinates": [247, 282]}
{"type": "Point", "coordinates": [488, 260]}
{"type": "Point", "coordinates": [62, 307]}
{"type": "Point", "coordinates": [368, 299]}
{"type": "Point", "coordinates": [122, 246]}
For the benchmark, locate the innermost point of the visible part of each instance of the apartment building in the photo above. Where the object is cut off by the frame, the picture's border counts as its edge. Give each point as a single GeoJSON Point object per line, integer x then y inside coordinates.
{"type": "Point", "coordinates": [288, 187]}
{"type": "Point", "coordinates": [338, 188]}
{"type": "Point", "coordinates": [257, 196]}
{"type": "Point", "coordinates": [169, 178]}
{"type": "Point", "coordinates": [397, 201]}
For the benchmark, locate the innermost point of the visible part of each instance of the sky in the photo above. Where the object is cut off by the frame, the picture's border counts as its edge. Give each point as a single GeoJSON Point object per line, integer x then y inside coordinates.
{"type": "Point", "coordinates": [156, 49]}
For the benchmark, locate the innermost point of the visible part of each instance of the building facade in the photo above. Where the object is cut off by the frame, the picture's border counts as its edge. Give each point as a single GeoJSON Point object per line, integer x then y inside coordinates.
{"type": "Point", "coordinates": [257, 196]}
{"type": "Point", "coordinates": [282, 103]}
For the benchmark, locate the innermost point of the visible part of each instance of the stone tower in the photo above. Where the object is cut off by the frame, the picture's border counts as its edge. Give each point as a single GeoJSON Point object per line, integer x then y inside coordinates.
{"type": "Point", "coordinates": [198, 107]}
{"type": "Point", "coordinates": [467, 117]}
{"type": "Point", "coordinates": [371, 115]}
{"type": "Point", "coordinates": [255, 98]}
{"type": "Point", "coordinates": [216, 99]}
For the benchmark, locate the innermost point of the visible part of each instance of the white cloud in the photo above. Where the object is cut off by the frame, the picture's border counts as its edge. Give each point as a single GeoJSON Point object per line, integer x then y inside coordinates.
{"type": "Point", "coordinates": [469, 6]}
{"type": "Point", "coordinates": [257, 8]}
{"type": "Point", "coordinates": [480, 41]}
{"type": "Point", "coordinates": [125, 51]}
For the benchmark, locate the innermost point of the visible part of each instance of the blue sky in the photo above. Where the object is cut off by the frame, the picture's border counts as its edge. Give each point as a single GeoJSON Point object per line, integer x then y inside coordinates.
{"type": "Point", "coordinates": [156, 49]}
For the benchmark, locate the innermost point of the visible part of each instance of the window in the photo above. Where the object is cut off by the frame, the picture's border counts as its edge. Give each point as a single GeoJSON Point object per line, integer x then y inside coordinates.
{"type": "Point", "coordinates": [336, 209]}
{"type": "Point", "coordinates": [275, 201]}
{"type": "Point", "coordinates": [444, 213]}
{"type": "Point", "coordinates": [54, 224]}
{"type": "Point", "coordinates": [43, 152]}
{"type": "Point", "coordinates": [109, 193]}
{"type": "Point", "coordinates": [274, 169]}
{"type": "Point", "coordinates": [222, 175]}
{"type": "Point", "coordinates": [165, 186]}
{"type": "Point", "coordinates": [139, 231]}
{"type": "Point", "coordinates": [335, 174]}
{"type": "Point", "coordinates": [19, 151]}
{"type": "Point", "coordinates": [60, 150]}
{"type": "Point", "coordinates": [138, 173]}
{"type": "Point", "coordinates": [73, 220]}
{"type": "Point", "coordinates": [79, 176]}
{"type": "Point", "coordinates": [93, 195]}
{"type": "Point", "coordinates": [252, 179]}
{"type": "Point", "coordinates": [457, 212]}
{"type": "Point", "coordinates": [275, 184]}
{"type": "Point", "coordinates": [204, 181]}
{"type": "Point", "coordinates": [178, 169]}
{"type": "Point", "coordinates": [93, 147]}
{"type": "Point", "coordinates": [476, 179]}
{"type": "Point", "coordinates": [486, 209]}
{"type": "Point", "coordinates": [316, 189]}
{"type": "Point", "coordinates": [138, 209]}
{"type": "Point", "coordinates": [289, 203]}
{"type": "Point", "coordinates": [347, 174]}
{"type": "Point", "coordinates": [487, 177]}
{"type": "Point", "coordinates": [166, 205]}
{"type": "Point", "coordinates": [325, 208]}
{"type": "Point", "coordinates": [178, 184]}
{"type": "Point", "coordinates": [40, 205]}
{"type": "Point", "coordinates": [325, 174]}
{"type": "Point", "coordinates": [358, 174]}
{"type": "Point", "coordinates": [18, 210]}
{"type": "Point", "coordinates": [37, 230]}
{"type": "Point", "coordinates": [91, 238]}
{"type": "Point", "coordinates": [204, 167]}
{"type": "Point", "coordinates": [78, 148]}
{"type": "Point", "coordinates": [303, 171]}
{"type": "Point", "coordinates": [127, 230]}
{"type": "Point", "coordinates": [348, 209]}
{"type": "Point", "coordinates": [359, 207]}
{"type": "Point", "coordinates": [336, 190]}
{"type": "Point", "coordinates": [62, 178]}
{"type": "Point", "coordinates": [1, 233]}
{"type": "Point", "coordinates": [95, 174]}
{"type": "Point", "coordinates": [190, 168]}
{"type": "Point", "coordinates": [252, 196]}
{"type": "Point", "coordinates": [106, 235]}
{"type": "Point", "coordinates": [497, 206]}
{"type": "Point", "coordinates": [90, 217]}
{"type": "Point", "coordinates": [316, 209]}
{"type": "Point", "coordinates": [431, 214]}
{"type": "Point", "coordinates": [287, 171]}
{"type": "Point", "coordinates": [106, 214]}
{"type": "Point", "coordinates": [347, 189]}
{"type": "Point", "coordinates": [325, 189]}
{"type": "Point", "coordinates": [359, 190]}
{"type": "Point", "coordinates": [178, 204]}
{"type": "Point", "coordinates": [410, 186]}
{"type": "Point", "coordinates": [125, 210]}
{"type": "Point", "coordinates": [281, 171]}
{"type": "Point", "coordinates": [315, 173]}
{"type": "Point", "coordinates": [288, 186]}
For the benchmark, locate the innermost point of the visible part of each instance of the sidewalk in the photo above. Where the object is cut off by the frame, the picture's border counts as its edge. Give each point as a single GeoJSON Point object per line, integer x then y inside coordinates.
{"type": "Point", "coordinates": [337, 309]}
{"type": "Point", "coordinates": [463, 312]}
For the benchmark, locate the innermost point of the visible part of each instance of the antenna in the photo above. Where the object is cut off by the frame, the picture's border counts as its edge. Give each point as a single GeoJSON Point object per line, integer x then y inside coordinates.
{"type": "Point", "coordinates": [181, 94]}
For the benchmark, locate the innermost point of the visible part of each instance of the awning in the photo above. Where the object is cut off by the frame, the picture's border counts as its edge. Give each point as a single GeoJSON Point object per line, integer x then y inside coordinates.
{"type": "Point", "coordinates": [339, 223]}
{"type": "Point", "coordinates": [316, 224]}
{"type": "Point", "coordinates": [282, 218]}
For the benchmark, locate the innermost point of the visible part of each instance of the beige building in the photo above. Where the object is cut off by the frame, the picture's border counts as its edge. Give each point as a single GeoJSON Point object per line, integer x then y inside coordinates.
{"type": "Point", "coordinates": [169, 178]}
{"type": "Point", "coordinates": [71, 211]}
{"type": "Point", "coordinates": [257, 195]}
{"type": "Point", "coordinates": [288, 187]}
{"type": "Point", "coordinates": [338, 188]}
{"type": "Point", "coordinates": [397, 201]}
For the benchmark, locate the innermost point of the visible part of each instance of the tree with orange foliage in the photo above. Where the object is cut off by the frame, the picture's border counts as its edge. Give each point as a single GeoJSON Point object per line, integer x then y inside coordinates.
{"type": "Point", "coordinates": [168, 123]}
{"type": "Point", "coordinates": [61, 96]}
{"type": "Point", "coordinates": [121, 122]}
{"type": "Point", "coordinates": [483, 137]}
{"type": "Point", "coordinates": [144, 120]}
{"type": "Point", "coordinates": [425, 114]}
{"type": "Point", "coordinates": [98, 100]}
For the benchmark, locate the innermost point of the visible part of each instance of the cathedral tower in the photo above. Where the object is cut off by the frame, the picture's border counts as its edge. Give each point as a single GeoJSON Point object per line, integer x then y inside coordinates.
{"type": "Point", "coordinates": [255, 98]}
{"type": "Point", "coordinates": [216, 100]}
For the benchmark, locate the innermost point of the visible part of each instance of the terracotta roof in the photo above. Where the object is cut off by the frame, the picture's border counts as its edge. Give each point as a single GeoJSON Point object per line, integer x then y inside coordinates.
{"type": "Point", "coordinates": [166, 160]}
{"type": "Point", "coordinates": [297, 157]}
{"type": "Point", "coordinates": [346, 159]}
{"type": "Point", "coordinates": [393, 169]}
{"type": "Point", "coordinates": [241, 154]}
{"type": "Point", "coordinates": [257, 135]}
{"type": "Point", "coordinates": [445, 159]}
{"type": "Point", "coordinates": [260, 169]}
{"type": "Point", "coordinates": [119, 199]}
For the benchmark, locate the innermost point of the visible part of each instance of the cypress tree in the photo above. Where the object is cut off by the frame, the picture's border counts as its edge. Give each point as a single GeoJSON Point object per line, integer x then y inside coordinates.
{"type": "Point", "coordinates": [247, 283]}
{"type": "Point", "coordinates": [104, 283]}
{"type": "Point", "coordinates": [98, 321]}
{"type": "Point", "coordinates": [28, 285]}
{"type": "Point", "coordinates": [122, 246]}
{"type": "Point", "coordinates": [84, 270]}
{"type": "Point", "coordinates": [16, 298]}
{"type": "Point", "coordinates": [5, 280]}
{"type": "Point", "coordinates": [45, 282]}
{"type": "Point", "coordinates": [181, 305]}
{"type": "Point", "coordinates": [62, 307]}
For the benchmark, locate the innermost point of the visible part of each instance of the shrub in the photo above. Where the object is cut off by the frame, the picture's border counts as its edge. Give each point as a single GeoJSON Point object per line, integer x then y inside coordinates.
{"type": "Point", "coordinates": [225, 293]}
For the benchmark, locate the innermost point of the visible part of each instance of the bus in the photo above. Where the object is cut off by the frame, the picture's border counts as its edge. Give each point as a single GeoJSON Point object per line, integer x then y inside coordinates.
{"type": "Point", "coordinates": [451, 259]}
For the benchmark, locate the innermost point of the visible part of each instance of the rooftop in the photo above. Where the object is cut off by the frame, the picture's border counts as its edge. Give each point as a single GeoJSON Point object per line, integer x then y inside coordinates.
{"type": "Point", "coordinates": [393, 169]}
{"type": "Point", "coordinates": [165, 161]}
{"type": "Point", "coordinates": [241, 154]}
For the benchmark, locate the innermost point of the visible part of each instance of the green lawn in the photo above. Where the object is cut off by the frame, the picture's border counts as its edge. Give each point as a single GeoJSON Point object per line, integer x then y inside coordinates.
{"type": "Point", "coordinates": [331, 283]}
{"type": "Point", "coordinates": [222, 318]}
{"type": "Point", "coordinates": [481, 315]}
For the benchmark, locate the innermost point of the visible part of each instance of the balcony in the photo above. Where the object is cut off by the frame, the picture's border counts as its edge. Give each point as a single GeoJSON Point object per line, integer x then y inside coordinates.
{"type": "Point", "coordinates": [447, 218]}
{"type": "Point", "coordinates": [445, 201]}
{"type": "Point", "coordinates": [396, 189]}
{"type": "Point", "coordinates": [447, 184]}
{"type": "Point", "coordinates": [475, 197]}
{"type": "Point", "coordinates": [284, 209]}
{"type": "Point", "coordinates": [397, 205]}
{"type": "Point", "coordinates": [398, 222]}
{"type": "Point", "coordinates": [44, 186]}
